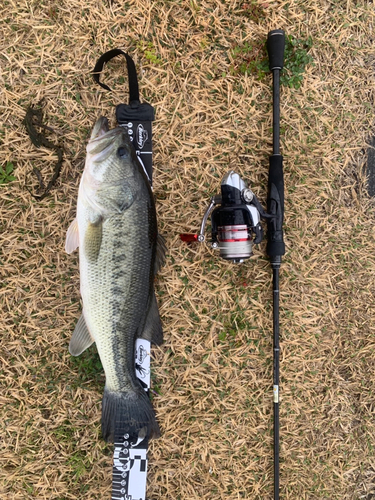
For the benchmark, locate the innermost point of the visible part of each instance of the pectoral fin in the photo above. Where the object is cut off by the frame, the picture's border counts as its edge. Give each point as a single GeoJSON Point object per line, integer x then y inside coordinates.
{"type": "Point", "coordinates": [72, 237]}
{"type": "Point", "coordinates": [153, 331]}
{"type": "Point", "coordinates": [93, 239]}
{"type": "Point", "coordinates": [81, 338]}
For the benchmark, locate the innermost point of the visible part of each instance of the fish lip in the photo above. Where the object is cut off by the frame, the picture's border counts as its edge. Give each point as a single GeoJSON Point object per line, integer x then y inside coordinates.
{"type": "Point", "coordinates": [103, 140]}
{"type": "Point", "coordinates": [100, 128]}
{"type": "Point", "coordinates": [105, 132]}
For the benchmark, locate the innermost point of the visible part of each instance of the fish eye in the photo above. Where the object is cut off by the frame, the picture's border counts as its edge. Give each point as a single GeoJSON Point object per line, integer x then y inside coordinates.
{"type": "Point", "coordinates": [122, 152]}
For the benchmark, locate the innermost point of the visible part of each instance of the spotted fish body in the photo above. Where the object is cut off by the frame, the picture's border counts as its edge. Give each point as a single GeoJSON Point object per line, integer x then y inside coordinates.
{"type": "Point", "coordinates": [116, 231]}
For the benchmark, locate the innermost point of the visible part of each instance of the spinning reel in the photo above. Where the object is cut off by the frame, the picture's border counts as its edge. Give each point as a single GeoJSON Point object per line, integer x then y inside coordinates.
{"type": "Point", "coordinates": [235, 222]}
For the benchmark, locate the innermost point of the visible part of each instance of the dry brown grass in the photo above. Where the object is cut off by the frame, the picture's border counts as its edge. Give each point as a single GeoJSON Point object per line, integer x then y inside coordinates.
{"type": "Point", "coordinates": [215, 398]}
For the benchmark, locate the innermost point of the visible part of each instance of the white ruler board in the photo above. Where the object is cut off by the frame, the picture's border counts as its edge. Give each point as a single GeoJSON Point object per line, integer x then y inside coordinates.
{"type": "Point", "coordinates": [129, 477]}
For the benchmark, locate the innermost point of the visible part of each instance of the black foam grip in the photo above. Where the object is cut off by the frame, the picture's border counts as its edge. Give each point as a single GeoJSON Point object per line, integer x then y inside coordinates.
{"type": "Point", "coordinates": [275, 49]}
{"type": "Point", "coordinates": [275, 207]}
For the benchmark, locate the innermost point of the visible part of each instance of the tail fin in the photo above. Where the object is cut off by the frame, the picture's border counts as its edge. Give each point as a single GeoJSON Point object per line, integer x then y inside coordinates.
{"type": "Point", "coordinates": [127, 411]}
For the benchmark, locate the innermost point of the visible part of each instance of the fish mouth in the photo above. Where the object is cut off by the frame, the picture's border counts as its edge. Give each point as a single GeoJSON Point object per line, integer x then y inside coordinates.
{"type": "Point", "coordinates": [104, 141]}
{"type": "Point", "coordinates": [101, 127]}
{"type": "Point", "coordinates": [101, 130]}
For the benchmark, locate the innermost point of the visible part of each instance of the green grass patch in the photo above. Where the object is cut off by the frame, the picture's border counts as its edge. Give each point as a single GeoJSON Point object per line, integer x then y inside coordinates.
{"type": "Point", "coordinates": [149, 52]}
{"type": "Point", "coordinates": [6, 173]}
{"type": "Point", "coordinates": [251, 58]}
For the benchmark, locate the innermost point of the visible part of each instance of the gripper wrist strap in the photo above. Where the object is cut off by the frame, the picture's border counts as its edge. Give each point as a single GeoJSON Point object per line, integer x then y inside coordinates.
{"type": "Point", "coordinates": [137, 117]}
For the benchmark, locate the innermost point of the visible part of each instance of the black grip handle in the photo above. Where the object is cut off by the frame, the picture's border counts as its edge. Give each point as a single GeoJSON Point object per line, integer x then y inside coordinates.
{"type": "Point", "coordinates": [275, 49]}
{"type": "Point", "coordinates": [275, 207]}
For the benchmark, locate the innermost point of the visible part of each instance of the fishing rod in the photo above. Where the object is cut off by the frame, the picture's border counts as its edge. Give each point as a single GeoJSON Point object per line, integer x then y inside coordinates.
{"type": "Point", "coordinates": [236, 226]}
{"type": "Point", "coordinates": [275, 244]}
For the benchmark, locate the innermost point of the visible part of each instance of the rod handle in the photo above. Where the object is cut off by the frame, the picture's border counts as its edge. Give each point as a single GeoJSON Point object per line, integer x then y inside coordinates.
{"type": "Point", "coordinates": [275, 207]}
{"type": "Point", "coordinates": [275, 49]}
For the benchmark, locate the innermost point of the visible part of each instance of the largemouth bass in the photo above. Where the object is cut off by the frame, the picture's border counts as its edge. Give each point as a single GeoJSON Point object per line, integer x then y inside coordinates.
{"type": "Point", "coordinates": [119, 253]}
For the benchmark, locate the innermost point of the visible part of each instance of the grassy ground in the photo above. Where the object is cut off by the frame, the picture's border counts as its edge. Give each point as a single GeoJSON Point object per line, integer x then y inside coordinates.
{"type": "Point", "coordinates": [201, 64]}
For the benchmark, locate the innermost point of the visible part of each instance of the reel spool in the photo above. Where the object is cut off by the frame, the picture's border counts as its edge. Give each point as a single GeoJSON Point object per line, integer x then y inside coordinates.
{"type": "Point", "coordinates": [235, 222]}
